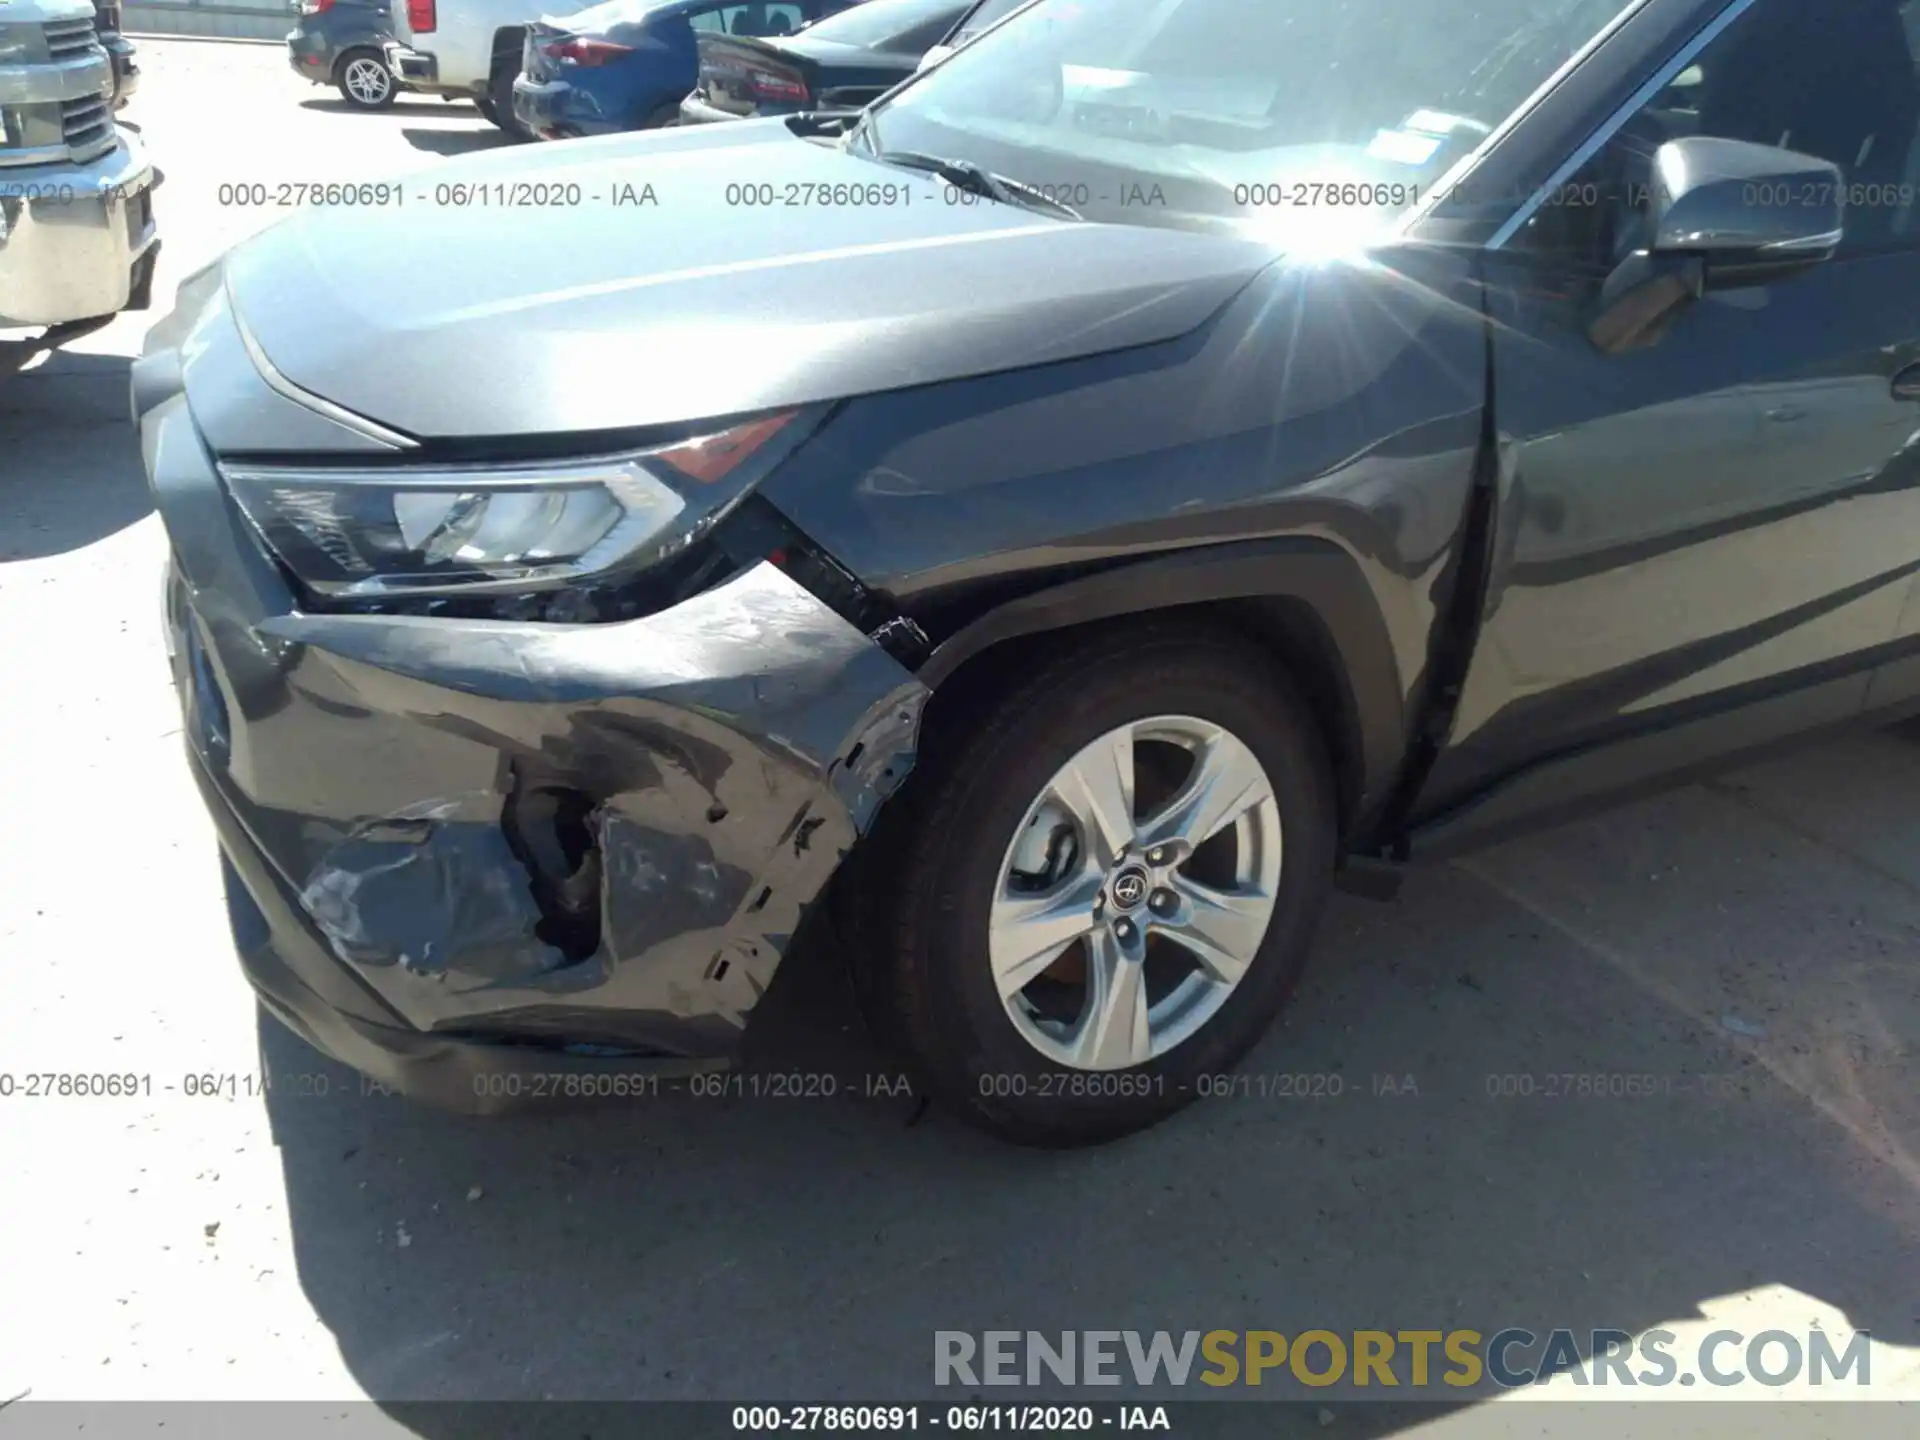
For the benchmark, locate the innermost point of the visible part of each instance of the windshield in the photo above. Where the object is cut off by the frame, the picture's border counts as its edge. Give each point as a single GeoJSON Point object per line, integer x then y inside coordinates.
{"type": "Point", "coordinates": [1282, 117]}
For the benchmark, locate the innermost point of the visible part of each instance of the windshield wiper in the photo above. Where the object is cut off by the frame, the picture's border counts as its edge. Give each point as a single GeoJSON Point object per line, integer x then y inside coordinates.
{"type": "Point", "coordinates": [967, 176]}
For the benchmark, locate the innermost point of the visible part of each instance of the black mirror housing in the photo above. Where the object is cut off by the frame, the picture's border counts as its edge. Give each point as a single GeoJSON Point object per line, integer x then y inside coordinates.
{"type": "Point", "coordinates": [1725, 213]}
{"type": "Point", "coordinates": [1745, 209]}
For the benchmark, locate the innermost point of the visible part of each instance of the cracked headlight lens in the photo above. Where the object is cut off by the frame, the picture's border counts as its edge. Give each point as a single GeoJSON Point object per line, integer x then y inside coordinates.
{"type": "Point", "coordinates": [493, 529]}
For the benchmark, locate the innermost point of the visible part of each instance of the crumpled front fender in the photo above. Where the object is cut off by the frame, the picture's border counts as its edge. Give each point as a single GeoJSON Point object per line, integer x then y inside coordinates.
{"type": "Point", "coordinates": [716, 762]}
{"type": "Point", "coordinates": [599, 836]}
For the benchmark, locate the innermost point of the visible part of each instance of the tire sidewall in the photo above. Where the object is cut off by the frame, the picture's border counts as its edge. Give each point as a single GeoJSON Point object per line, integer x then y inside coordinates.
{"type": "Point", "coordinates": [500, 98]}
{"type": "Point", "coordinates": [1001, 1075]}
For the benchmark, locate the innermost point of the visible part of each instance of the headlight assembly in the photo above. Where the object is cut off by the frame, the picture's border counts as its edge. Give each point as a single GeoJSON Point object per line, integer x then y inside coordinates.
{"type": "Point", "coordinates": [351, 535]}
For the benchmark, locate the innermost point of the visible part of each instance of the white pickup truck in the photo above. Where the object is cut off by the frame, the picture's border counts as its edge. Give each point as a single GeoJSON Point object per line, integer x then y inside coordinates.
{"type": "Point", "coordinates": [463, 49]}
{"type": "Point", "coordinates": [77, 238]}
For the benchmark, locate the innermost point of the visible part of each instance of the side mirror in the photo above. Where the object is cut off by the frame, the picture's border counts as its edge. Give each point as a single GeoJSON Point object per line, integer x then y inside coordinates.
{"type": "Point", "coordinates": [1723, 213]}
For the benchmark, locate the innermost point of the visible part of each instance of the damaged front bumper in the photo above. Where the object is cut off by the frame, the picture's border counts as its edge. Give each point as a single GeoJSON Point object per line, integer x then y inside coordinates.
{"type": "Point", "coordinates": [459, 849]}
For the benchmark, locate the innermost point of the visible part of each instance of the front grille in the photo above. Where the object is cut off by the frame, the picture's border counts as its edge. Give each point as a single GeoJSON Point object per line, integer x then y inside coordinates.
{"type": "Point", "coordinates": [87, 126]}
{"type": "Point", "coordinates": [68, 39]}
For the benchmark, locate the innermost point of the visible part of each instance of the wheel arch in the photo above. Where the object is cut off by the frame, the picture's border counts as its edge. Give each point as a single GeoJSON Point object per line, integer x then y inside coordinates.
{"type": "Point", "coordinates": [1301, 599]}
{"type": "Point", "coordinates": [349, 52]}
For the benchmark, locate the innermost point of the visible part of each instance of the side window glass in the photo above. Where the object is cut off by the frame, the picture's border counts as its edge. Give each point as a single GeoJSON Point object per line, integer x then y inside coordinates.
{"type": "Point", "coordinates": [760, 18]}
{"type": "Point", "coordinates": [1839, 80]}
{"type": "Point", "coordinates": [728, 20]}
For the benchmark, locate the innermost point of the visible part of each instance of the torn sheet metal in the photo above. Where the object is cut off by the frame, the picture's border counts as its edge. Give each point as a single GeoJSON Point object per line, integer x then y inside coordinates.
{"type": "Point", "coordinates": [425, 891]}
{"type": "Point", "coordinates": [704, 770]}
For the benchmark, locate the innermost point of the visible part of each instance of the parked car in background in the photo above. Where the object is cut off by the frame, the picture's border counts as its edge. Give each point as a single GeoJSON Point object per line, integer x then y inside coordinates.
{"type": "Point", "coordinates": [627, 64]}
{"type": "Point", "coordinates": [843, 63]}
{"type": "Point", "coordinates": [1201, 453]}
{"type": "Point", "coordinates": [462, 50]}
{"type": "Point", "coordinates": [343, 43]}
{"type": "Point", "coordinates": [120, 50]}
{"type": "Point", "coordinates": [77, 238]}
{"type": "Point", "coordinates": [984, 15]}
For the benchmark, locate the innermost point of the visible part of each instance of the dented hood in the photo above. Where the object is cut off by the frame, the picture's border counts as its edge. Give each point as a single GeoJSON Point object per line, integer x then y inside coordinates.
{"type": "Point", "coordinates": [651, 279]}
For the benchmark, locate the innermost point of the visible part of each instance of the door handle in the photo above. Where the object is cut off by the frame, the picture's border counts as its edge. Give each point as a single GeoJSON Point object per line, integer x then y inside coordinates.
{"type": "Point", "coordinates": [1906, 385]}
{"type": "Point", "coordinates": [1786, 414]}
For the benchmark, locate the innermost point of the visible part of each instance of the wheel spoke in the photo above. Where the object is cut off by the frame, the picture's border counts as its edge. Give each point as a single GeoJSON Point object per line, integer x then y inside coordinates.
{"type": "Point", "coordinates": [1027, 933]}
{"type": "Point", "coordinates": [1220, 929]}
{"type": "Point", "coordinates": [1111, 902]}
{"type": "Point", "coordinates": [1097, 786]}
{"type": "Point", "coordinates": [1227, 781]}
{"type": "Point", "coordinates": [1113, 1031]}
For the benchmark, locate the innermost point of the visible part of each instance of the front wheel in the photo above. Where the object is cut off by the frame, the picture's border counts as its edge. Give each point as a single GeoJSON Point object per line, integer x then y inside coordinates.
{"type": "Point", "coordinates": [1109, 890]}
{"type": "Point", "coordinates": [364, 81]}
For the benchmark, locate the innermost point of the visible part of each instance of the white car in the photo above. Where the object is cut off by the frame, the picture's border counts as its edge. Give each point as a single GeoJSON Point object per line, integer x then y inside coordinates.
{"type": "Point", "coordinates": [463, 49]}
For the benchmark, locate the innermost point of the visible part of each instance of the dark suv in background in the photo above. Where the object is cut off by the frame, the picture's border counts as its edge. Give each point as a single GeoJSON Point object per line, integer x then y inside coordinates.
{"type": "Point", "coordinates": [339, 43]}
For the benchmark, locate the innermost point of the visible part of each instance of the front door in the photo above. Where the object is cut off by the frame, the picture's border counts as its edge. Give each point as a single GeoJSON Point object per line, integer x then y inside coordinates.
{"type": "Point", "coordinates": [1726, 522]}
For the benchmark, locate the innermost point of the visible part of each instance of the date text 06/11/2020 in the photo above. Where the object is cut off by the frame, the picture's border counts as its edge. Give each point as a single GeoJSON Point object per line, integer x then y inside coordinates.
{"type": "Point", "coordinates": [870, 1419]}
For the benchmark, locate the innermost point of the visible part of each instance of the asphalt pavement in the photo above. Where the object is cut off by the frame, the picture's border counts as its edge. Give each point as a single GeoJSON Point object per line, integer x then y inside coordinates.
{"type": "Point", "coordinates": [1749, 948]}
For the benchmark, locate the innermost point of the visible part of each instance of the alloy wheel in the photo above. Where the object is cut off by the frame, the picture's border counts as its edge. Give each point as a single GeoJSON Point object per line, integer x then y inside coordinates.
{"type": "Point", "coordinates": [1135, 893]}
{"type": "Point", "coordinates": [366, 81]}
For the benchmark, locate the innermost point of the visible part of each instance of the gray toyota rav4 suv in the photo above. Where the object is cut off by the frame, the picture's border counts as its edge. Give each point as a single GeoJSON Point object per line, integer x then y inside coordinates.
{"type": "Point", "coordinates": [1037, 536]}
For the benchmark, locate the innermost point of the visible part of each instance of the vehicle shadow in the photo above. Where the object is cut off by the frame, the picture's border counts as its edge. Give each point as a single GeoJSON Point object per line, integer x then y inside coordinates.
{"type": "Point", "coordinates": [483, 136]}
{"type": "Point", "coordinates": [403, 105]}
{"type": "Point", "coordinates": [69, 460]}
{"type": "Point", "coordinates": [773, 1247]}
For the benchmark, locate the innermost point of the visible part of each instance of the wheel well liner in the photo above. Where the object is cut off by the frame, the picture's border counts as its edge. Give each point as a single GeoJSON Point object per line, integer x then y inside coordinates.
{"type": "Point", "coordinates": [1302, 598]}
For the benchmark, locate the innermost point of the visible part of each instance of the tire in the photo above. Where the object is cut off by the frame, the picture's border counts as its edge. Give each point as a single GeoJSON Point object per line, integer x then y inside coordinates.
{"type": "Point", "coordinates": [499, 103]}
{"type": "Point", "coordinates": [667, 117]}
{"type": "Point", "coordinates": [931, 989]}
{"type": "Point", "coordinates": [354, 77]}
